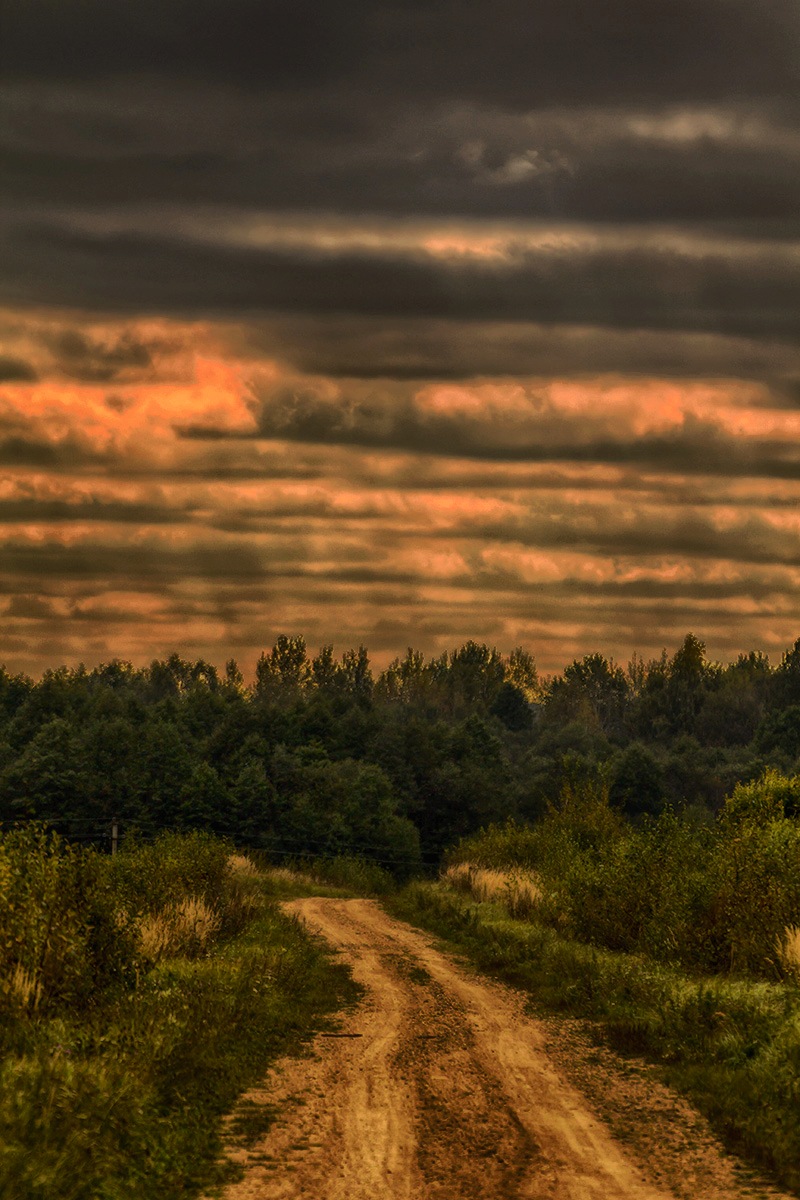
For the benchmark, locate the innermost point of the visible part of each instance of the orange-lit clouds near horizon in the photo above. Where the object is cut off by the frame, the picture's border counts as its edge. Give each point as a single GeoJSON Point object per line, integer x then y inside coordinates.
{"type": "Point", "coordinates": [167, 485]}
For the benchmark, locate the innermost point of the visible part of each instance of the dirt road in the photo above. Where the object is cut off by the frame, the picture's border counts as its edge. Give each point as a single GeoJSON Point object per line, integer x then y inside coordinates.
{"type": "Point", "coordinates": [439, 1087]}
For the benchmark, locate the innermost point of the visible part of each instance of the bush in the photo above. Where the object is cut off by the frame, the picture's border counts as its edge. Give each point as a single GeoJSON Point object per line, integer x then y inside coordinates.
{"type": "Point", "coordinates": [706, 897]}
{"type": "Point", "coordinates": [359, 875]}
{"type": "Point", "coordinates": [150, 878]}
{"type": "Point", "coordinates": [757, 869]}
{"type": "Point", "coordinates": [63, 942]}
{"type": "Point", "coordinates": [502, 846]}
{"type": "Point", "coordinates": [112, 1092]}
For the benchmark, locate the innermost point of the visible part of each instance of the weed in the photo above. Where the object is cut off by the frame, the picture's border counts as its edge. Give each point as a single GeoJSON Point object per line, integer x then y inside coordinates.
{"type": "Point", "coordinates": [518, 891]}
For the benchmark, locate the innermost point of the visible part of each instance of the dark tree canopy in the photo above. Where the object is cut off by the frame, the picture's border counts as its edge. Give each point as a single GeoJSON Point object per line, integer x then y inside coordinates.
{"type": "Point", "coordinates": [322, 755]}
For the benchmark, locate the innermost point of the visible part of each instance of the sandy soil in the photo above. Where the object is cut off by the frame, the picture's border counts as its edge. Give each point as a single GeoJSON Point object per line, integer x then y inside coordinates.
{"type": "Point", "coordinates": [438, 1086]}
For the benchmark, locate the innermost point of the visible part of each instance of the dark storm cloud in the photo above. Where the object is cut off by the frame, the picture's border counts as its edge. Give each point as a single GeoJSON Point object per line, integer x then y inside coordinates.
{"type": "Point", "coordinates": [91, 362]}
{"type": "Point", "coordinates": [32, 509]}
{"type": "Point", "coordinates": [675, 110]}
{"type": "Point", "coordinates": [18, 451]}
{"type": "Point", "coordinates": [361, 200]}
{"type": "Point", "coordinates": [755, 293]}
{"type": "Point", "coordinates": [30, 608]}
{"type": "Point", "coordinates": [575, 167]}
{"type": "Point", "coordinates": [509, 53]}
{"type": "Point", "coordinates": [670, 109]}
{"type": "Point", "coordinates": [600, 530]}
{"type": "Point", "coordinates": [135, 567]}
{"type": "Point", "coordinates": [23, 447]}
{"type": "Point", "coordinates": [409, 348]}
{"type": "Point", "coordinates": [14, 370]}
{"type": "Point", "coordinates": [387, 419]}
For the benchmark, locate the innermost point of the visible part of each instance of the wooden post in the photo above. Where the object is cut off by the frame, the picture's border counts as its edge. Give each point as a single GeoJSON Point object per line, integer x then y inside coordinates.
{"type": "Point", "coordinates": [114, 836]}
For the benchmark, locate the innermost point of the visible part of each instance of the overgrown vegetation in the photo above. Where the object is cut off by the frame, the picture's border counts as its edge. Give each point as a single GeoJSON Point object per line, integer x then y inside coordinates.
{"type": "Point", "coordinates": [718, 896]}
{"type": "Point", "coordinates": [649, 899]}
{"type": "Point", "coordinates": [680, 938]}
{"type": "Point", "coordinates": [138, 997]}
{"type": "Point", "coordinates": [341, 876]}
{"type": "Point", "coordinates": [317, 756]}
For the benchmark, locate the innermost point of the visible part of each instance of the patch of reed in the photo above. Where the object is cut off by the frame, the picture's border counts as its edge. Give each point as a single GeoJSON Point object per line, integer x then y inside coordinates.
{"type": "Point", "coordinates": [242, 867]}
{"type": "Point", "coordinates": [518, 891]}
{"type": "Point", "coordinates": [22, 988]}
{"type": "Point", "coordinates": [186, 928]}
{"type": "Point", "coordinates": [788, 948]}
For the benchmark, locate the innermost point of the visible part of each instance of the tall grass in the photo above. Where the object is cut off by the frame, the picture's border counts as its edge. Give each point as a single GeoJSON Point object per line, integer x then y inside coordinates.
{"type": "Point", "coordinates": [788, 950]}
{"type": "Point", "coordinates": [114, 1087]}
{"type": "Point", "coordinates": [519, 892]}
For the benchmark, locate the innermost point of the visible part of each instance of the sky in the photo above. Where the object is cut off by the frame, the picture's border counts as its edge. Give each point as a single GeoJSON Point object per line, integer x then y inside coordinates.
{"type": "Point", "coordinates": [398, 324]}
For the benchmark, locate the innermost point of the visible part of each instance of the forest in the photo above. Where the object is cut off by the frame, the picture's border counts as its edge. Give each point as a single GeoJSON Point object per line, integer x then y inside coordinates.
{"type": "Point", "coordinates": [323, 756]}
{"type": "Point", "coordinates": [535, 806]}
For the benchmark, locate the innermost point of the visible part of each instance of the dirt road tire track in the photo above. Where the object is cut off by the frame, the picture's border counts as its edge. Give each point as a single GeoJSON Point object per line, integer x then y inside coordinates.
{"type": "Point", "coordinates": [444, 1090]}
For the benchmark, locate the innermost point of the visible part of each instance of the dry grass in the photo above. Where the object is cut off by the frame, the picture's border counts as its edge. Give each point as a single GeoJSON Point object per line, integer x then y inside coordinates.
{"type": "Point", "coordinates": [518, 891]}
{"type": "Point", "coordinates": [186, 928]}
{"type": "Point", "coordinates": [22, 988]}
{"type": "Point", "coordinates": [284, 875]}
{"type": "Point", "coordinates": [789, 951]}
{"type": "Point", "coordinates": [242, 866]}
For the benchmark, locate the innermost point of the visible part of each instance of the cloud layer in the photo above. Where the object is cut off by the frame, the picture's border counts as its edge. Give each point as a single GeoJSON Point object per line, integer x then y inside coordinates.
{"type": "Point", "coordinates": [399, 324]}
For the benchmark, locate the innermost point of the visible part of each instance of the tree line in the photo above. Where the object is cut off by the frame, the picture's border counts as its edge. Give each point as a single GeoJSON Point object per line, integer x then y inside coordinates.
{"type": "Point", "coordinates": [321, 754]}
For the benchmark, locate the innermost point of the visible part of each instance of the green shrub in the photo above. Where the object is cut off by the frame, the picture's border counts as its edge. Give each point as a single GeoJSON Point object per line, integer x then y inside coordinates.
{"type": "Point", "coordinates": [63, 942]}
{"type": "Point", "coordinates": [150, 877]}
{"type": "Point", "coordinates": [359, 875]}
{"type": "Point", "coordinates": [757, 870]}
{"type": "Point", "coordinates": [709, 898]}
{"type": "Point", "coordinates": [502, 846]}
{"type": "Point", "coordinates": [769, 798]}
{"type": "Point", "coordinates": [112, 1092]}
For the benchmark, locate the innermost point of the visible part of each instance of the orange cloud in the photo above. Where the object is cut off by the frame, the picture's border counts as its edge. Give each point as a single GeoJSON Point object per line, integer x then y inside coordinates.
{"type": "Point", "coordinates": [134, 540]}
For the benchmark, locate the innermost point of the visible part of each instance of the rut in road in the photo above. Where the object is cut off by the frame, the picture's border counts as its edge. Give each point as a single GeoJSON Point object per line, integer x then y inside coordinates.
{"type": "Point", "coordinates": [439, 1087]}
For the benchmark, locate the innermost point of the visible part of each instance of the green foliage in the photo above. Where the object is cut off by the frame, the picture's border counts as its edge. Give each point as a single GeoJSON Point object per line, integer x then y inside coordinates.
{"type": "Point", "coordinates": [764, 800]}
{"type": "Point", "coordinates": [330, 807]}
{"type": "Point", "coordinates": [705, 897]}
{"type": "Point", "coordinates": [592, 690]}
{"type": "Point", "coordinates": [501, 846]}
{"type": "Point", "coordinates": [464, 739]}
{"type": "Point", "coordinates": [512, 708]}
{"type": "Point", "coordinates": [757, 874]}
{"type": "Point", "coordinates": [149, 878]}
{"type": "Point", "coordinates": [637, 785]}
{"type": "Point", "coordinates": [779, 733]}
{"type": "Point", "coordinates": [354, 875]}
{"type": "Point", "coordinates": [108, 1092]}
{"type": "Point", "coordinates": [64, 944]}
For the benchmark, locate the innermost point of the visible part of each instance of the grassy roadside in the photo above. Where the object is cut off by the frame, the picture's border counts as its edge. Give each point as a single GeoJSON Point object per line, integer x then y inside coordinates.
{"type": "Point", "coordinates": [117, 1092]}
{"type": "Point", "coordinates": [338, 877]}
{"type": "Point", "coordinates": [732, 1045]}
